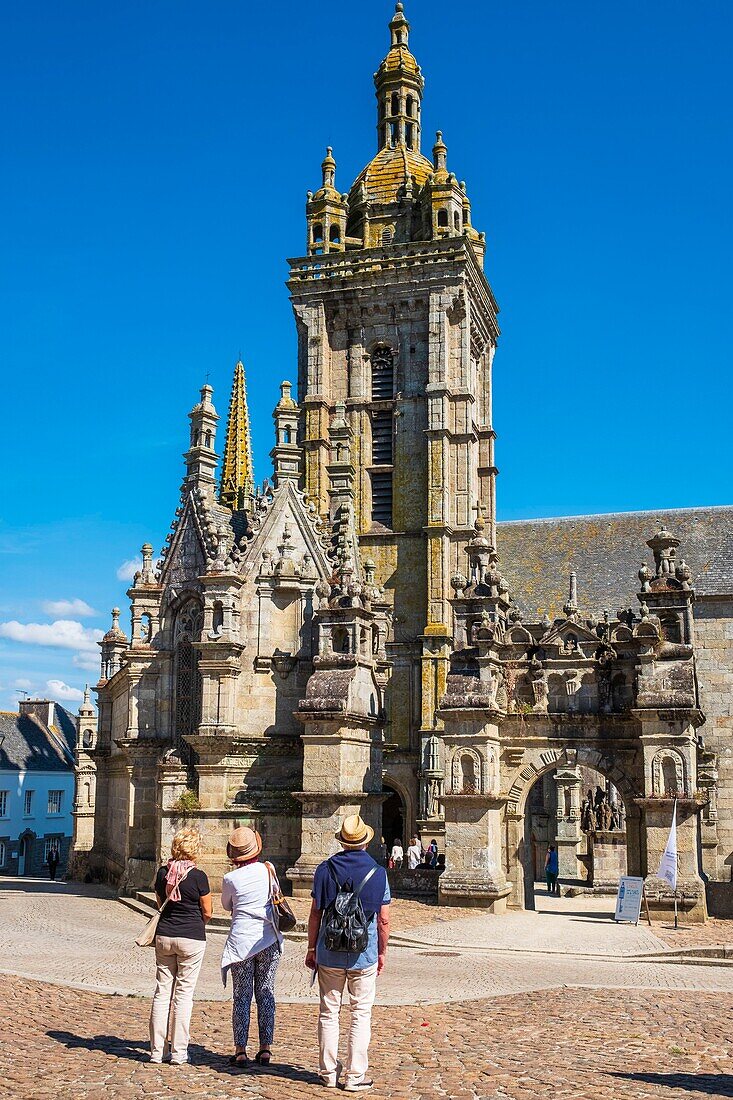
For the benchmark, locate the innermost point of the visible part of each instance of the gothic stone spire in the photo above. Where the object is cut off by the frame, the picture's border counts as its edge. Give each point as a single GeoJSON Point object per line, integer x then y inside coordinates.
{"type": "Point", "coordinates": [237, 478]}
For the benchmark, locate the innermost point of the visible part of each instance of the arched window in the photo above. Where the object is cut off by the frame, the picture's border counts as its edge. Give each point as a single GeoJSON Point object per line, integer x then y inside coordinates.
{"type": "Point", "coordinates": [393, 134]}
{"type": "Point", "coordinates": [443, 219]}
{"type": "Point", "coordinates": [286, 435]}
{"type": "Point", "coordinates": [387, 237]}
{"type": "Point", "coordinates": [410, 103]}
{"type": "Point", "coordinates": [187, 714]}
{"type": "Point", "coordinates": [669, 778]}
{"type": "Point", "coordinates": [671, 628]}
{"type": "Point", "coordinates": [87, 739]}
{"type": "Point", "coordinates": [334, 234]}
{"type": "Point", "coordinates": [408, 135]}
{"type": "Point", "coordinates": [217, 618]}
{"type": "Point", "coordinates": [146, 627]}
{"type": "Point", "coordinates": [457, 221]}
{"type": "Point", "coordinates": [395, 109]}
{"type": "Point", "coordinates": [382, 373]}
{"type": "Point", "coordinates": [468, 775]}
{"type": "Point", "coordinates": [382, 108]}
{"type": "Point", "coordinates": [208, 440]}
{"type": "Point", "coordinates": [340, 640]}
{"type": "Point", "coordinates": [317, 233]}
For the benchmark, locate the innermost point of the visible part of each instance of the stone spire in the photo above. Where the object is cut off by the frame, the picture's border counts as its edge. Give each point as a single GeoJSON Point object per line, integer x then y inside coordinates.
{"type": "Point", "coordinates": [237, 477]}
{"type": "Point", "coordinates": [399, 85]}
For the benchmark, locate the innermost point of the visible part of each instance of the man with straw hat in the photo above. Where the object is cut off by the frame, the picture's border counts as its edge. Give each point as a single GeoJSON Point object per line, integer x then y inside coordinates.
{"type": "Point", "coordinates": [351, 872]}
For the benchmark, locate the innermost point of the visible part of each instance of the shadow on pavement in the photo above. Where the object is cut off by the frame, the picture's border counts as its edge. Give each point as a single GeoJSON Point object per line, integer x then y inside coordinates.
{"type": "Point", "coordinates": [138, 1051]}
{"type": "Point", "coordinates": [710, 1084]}
{"type": "Point", "coordinates": [46, 886]}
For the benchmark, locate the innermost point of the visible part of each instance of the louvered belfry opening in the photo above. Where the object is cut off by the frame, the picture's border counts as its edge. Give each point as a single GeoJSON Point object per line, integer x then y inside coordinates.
{"type": "Point", "coordinates": [382, 419]}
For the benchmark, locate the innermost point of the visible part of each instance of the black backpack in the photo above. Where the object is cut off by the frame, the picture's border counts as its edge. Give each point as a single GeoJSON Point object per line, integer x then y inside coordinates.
{"type": "Point", "coordinates": [345, 928]}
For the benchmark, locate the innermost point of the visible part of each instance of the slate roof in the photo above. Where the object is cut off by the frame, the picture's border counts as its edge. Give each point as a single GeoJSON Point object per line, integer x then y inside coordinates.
{"type": "Point", "coordinates": [606, 551]}
{"type": "Point", "coordinates": [27, 744]}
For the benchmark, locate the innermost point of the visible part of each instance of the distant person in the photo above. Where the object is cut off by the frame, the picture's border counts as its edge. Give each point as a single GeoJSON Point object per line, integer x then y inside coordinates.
{"type": "Point", "coordinates": [347, 946]}
{"type": "Point", "coordinates": [383, 853]}
{"type": "Point", "coordinates": [397, 856]}
{"type": "Point", "coordinates": [180, 943]}
{"type": "Point", "coordinates": [552, 869]}
{"type": "Point", "coordinates": [432, 853]}
{"type": "Point", "coordinates": [53, 863]}
{"type": "Point", "coordinates": [414, 854]}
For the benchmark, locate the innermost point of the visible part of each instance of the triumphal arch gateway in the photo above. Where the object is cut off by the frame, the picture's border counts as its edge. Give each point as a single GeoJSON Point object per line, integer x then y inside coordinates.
{"type": "Point", "coordinates": [358, 630]}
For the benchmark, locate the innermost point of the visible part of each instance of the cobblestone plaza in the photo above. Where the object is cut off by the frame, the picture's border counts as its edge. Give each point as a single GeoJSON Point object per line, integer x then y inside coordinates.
{"type": "Point", "coordinates": [575, 1007]}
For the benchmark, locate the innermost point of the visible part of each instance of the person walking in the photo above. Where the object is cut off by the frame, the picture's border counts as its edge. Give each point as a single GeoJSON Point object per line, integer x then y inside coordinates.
{"type": "Point", "coordinates": [53, 863]}
{"type": "Point", "coordinates": [180, 943]}
{"type": "Point", "coordinates": [432, 853]}
{"type": "Point", "coordinates": [414, 854]}
{"type": "Point", "coordinates": [253, 947]}
{"type": "Point", "coordinates": [552, 868]}
{"type": "Point", "coordinates": [397, 854]}
{"type": "Point", "coordinates": [351, 872]}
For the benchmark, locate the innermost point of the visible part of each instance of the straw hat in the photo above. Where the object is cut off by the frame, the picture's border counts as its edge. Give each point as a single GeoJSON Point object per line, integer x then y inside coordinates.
{"type": "Point", "coordinates": [244, 844]}
{"type": "Point", "coordinates": [354, 833]}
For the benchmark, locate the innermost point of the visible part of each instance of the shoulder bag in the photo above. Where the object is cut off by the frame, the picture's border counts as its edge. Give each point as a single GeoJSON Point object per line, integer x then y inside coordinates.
{"type": "Point", "coordinates": [147, 936]}
{"type": "Point", "coordinates": [283, 916]}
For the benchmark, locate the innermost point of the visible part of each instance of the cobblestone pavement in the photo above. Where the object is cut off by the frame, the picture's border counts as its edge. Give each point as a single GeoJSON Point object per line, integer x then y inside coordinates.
{"type": "Point", "coordinates": [574, 1045]}
{"type": "Point", "coordinates": [81, 936]}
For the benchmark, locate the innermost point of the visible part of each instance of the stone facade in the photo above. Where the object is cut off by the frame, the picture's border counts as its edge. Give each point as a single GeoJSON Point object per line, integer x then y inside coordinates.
{"type": "Point", "coordinates": [346, 631]}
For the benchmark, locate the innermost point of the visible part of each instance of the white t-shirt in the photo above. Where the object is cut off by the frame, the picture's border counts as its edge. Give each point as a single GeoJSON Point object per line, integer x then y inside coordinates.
{"type": "Point", "coordinates": [397, 852]}
{"type": "Point", "coordinates": [245, 893]}
{"type": "Point", "coordinates": [414, 855]}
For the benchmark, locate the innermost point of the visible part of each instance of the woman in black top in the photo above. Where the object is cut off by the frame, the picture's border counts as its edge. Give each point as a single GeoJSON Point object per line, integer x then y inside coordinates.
{"type": "Point", "coordinates": [180, 943]}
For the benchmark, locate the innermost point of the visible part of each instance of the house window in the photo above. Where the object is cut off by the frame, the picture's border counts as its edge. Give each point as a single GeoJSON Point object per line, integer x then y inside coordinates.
{"type": "Point", "coordinates": [382, 498]}
{"type": "Point", "coordinates": [27, 803]}
{"type": "Point", "coordinates": [51, 844]}
{"type": "Point", "coordinates": [3, 853]}
{"type": "Point", "coordinates": [382, 374]}
{"type": "Point", "coordinates": [4, 803]}
{"type": "Point", "coordinates": [54, 802]}
{"type": "Point", "coordinates": [382, 439]}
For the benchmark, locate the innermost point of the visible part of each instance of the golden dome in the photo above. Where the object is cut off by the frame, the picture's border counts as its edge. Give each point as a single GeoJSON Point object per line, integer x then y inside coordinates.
{"type": "Point", "coordinates": [399, 57]}
{"type": "Point", "coordinates": [386, 175]}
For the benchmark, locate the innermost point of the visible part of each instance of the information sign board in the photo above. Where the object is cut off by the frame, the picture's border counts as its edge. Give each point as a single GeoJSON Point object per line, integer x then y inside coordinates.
{"type": "Point", "coordinates": [628, 900]}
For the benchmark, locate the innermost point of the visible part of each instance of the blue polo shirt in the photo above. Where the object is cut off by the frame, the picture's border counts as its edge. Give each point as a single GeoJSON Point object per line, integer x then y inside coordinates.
{"type": "Point", "coordinates": [351, 867]}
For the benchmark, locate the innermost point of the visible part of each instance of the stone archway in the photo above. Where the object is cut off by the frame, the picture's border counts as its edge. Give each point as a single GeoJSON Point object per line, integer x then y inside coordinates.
{"type": "Point", "coordinates": [397, 819]}
{"type": "Point", "coordinates": [517, 856]}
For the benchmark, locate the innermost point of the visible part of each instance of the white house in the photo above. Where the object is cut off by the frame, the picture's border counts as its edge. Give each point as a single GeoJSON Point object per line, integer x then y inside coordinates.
{"type": "Point", "coordinates": [36, 786]}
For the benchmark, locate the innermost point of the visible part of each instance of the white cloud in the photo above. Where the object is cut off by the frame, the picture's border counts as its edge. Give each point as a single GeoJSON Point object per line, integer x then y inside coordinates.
{"type": "Point", "coordinates": [69, 607]}
{"type": "Point", "coordinates": [61, 634]}
{"type": "Point", "coordinates": [57, 689]}
{"type": "Point", "coordinates": [128, 569]}
{"type": "Point", "coordinates": [86, 661]}
{"type": "Point", "coordinates": [22, 683]}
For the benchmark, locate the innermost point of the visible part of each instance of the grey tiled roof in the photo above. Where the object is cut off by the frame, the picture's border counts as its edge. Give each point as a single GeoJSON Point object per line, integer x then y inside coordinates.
{"type": "Point", "coordinates": [537, 556]}
{"type": "Point", "coordinates": [28, 745]}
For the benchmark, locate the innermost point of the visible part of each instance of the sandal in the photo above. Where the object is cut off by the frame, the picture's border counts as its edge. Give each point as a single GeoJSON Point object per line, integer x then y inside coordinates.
{"type": "Point", "coordinates": [262, 1058]}
{"type": "Point", "coordinates": [239, 1059]}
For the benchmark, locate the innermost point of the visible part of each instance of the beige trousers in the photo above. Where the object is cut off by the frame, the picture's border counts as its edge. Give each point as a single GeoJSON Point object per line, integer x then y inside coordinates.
{"type": "Point", "coordinates": [361, 986]}
{"type": "Point", "coordinates": [179, 961]}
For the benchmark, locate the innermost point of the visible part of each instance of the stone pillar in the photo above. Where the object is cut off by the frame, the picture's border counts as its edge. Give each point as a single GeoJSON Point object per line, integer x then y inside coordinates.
{"type": "Point", "coordinates": [567, 836]}
{"type": "Point", "coordinates": [655, 826]}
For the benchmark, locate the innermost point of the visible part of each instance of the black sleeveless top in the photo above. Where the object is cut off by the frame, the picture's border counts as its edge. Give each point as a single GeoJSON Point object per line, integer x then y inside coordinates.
{"type": "Point", "coordinates": [183, 918]}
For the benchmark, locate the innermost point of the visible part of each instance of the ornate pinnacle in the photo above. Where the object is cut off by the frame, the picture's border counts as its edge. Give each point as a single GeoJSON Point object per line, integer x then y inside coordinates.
{"type": "Point", "coordinates": [237, 478]}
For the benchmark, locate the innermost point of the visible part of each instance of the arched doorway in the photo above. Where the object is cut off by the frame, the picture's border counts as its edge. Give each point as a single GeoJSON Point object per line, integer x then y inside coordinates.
{"type": "Point", "coordinates": [597, 839]}
{"type": "Point", "coordinates": [25, 853]}
{"type": "Point", "coordinates": [394, 821]}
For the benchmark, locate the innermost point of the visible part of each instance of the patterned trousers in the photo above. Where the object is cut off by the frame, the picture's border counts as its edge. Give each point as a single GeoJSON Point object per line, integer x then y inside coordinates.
{"type": "Point", "coordinates": [255, 975]}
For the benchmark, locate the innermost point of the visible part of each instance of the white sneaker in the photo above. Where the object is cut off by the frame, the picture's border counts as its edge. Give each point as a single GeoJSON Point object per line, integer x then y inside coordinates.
{"type": "Point", "coordinates": [360, 1085]}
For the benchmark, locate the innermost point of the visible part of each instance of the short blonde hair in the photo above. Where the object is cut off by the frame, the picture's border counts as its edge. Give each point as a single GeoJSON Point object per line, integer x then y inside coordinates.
{"type": "Point", "coordinates": [186, 844]}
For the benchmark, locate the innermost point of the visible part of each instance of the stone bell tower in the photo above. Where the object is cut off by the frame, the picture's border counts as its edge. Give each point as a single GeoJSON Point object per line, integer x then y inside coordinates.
{"type": "Point", "coordinates": [397, 323]}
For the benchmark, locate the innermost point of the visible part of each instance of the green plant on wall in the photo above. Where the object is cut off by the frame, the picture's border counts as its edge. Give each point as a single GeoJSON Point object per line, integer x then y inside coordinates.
{"type": "Point", "coordinates": [187, 802]}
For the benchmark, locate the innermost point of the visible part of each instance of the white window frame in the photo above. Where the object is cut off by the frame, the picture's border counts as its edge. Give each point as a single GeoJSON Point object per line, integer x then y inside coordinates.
{"type": "Point", "coordinates": [52, 810]}
{"type": "Point", "coordinates": [3, 852]}
{"type": "Point", "coordinates": [28, 803]}
{"type": "Point", "coordinates": [49, 843]}
{"type": "Point", "coordinates": [4, 803]}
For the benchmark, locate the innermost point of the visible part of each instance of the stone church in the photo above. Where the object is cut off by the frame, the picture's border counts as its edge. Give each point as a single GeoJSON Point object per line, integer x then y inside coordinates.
{"type": "Point", "coordinates": [359, 635]}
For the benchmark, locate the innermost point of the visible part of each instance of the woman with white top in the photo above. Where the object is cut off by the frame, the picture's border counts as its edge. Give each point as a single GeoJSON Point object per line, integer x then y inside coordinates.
{"type": "Point", "coordinates": [254, 944]}
{"type": "Point", "coordinates": [397, 854]}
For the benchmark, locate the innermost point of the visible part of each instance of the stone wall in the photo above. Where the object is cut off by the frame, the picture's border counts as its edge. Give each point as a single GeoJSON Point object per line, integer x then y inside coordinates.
{"type": "Point", "coordinates": [714, 641]}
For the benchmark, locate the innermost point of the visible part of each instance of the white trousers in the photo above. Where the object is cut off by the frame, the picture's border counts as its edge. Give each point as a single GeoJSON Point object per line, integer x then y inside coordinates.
{"type": "Point", "coordinates": [179, 961]}
{"type": "Point", "coordinates": [361, 986]}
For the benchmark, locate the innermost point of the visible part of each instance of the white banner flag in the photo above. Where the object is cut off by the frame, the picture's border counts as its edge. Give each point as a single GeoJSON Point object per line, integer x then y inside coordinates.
{"type": "Point", "coordinates": [668, 863]}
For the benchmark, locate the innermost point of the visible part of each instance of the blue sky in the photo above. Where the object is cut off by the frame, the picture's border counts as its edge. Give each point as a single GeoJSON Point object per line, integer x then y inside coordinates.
{"type": "Point", "coordinates": [155, 164]}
